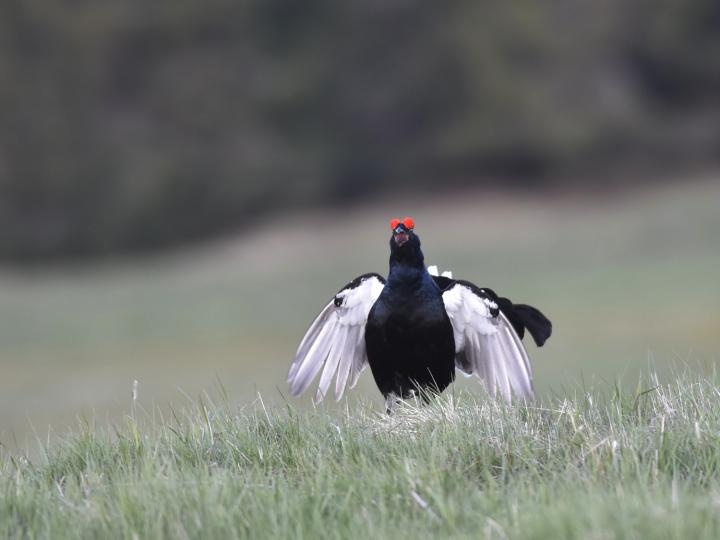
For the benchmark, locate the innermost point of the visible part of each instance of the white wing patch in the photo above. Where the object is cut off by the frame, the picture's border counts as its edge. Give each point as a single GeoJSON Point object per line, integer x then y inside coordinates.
{"type": "Point", "coordinates": [487, 346]}
{"type": "Point", "coordinates": [433, 271]}
{"type": "Point", "coordinates": [335, 341]}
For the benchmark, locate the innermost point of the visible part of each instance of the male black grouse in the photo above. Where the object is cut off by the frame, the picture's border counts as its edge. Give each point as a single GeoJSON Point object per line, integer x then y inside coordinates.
{"type": "Point", "coordinates": [414, 329]}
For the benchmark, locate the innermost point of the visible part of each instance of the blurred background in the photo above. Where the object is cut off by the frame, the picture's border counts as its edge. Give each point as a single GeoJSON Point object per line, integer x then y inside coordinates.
{"type": "Point", "coordinates": [184, 184]}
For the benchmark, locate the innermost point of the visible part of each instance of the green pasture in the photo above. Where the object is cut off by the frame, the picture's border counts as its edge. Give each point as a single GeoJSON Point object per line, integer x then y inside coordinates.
{"type": "Point", "coordinates": [605, 463]}
{"type": "Point", "coordinates": [630, 280]}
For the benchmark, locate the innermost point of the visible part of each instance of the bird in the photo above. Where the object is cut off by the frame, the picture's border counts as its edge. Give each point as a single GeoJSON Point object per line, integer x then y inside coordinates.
{"type": "Point", "coordinates": [415, 329]}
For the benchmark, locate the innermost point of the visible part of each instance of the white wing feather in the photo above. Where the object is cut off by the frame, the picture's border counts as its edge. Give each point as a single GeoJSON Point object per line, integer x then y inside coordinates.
{"type": "Point", "coordinates": [487, 346]}
{"type": "Point", "coordinates": [335, 341]}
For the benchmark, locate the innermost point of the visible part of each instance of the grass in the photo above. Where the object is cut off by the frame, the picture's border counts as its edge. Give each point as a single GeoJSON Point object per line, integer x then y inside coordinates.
{"type": "Point", "coordinates": [608, 463]}
{"type": "Point", "coordinates": [623, 278]}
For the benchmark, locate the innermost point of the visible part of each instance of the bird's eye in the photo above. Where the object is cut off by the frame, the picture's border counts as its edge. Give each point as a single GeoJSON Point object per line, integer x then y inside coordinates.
{"type": "Point", "coordinates": [394, 223]}
{"type": "Point", "coordinates": [409, 223]}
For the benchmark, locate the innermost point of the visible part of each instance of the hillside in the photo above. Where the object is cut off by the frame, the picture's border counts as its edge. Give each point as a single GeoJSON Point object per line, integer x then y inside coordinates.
{"type": "Point", "coordinates": [133, 127]}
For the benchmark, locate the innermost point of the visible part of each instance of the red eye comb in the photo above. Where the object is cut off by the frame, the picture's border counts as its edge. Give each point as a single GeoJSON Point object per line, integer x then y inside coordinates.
{"type": "Point", "coordinates": [408, 222]}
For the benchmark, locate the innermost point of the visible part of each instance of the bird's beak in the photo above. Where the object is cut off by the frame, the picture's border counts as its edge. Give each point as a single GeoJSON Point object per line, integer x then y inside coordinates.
{"type": "Point", "coordinates": [401, 237]}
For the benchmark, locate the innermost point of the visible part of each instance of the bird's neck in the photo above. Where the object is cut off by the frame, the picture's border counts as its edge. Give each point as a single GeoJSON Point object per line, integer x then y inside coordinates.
{"type": "Point", "coordinates": [407, 267]}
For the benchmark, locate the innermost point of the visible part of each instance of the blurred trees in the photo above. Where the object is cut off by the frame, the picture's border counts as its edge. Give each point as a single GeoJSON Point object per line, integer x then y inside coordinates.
{"type": "Point", "coordinates": [130, 125]}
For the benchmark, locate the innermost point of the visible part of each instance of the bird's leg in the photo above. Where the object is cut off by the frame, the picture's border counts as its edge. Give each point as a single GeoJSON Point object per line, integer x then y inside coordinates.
{"type": "Point", "coordinates": [391, 400]}
{"type": "Point", "coordinates": [414, 395]}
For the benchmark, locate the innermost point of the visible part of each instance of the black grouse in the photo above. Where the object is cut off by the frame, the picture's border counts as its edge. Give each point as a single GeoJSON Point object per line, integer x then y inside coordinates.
{"type": "Point", "coordinates": [414, 329]}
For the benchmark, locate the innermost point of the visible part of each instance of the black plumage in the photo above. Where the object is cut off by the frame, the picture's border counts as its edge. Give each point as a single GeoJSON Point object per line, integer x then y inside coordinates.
{"type": "Point", "coordinates": [415, 329]}
{"type": "Point", "coordinates": [408, 333]}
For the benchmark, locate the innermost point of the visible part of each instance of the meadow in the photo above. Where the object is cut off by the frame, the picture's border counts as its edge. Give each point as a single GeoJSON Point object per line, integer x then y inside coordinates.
{"type": "Point", "coordinates": [621, 443]}
{"type": "Point", "coordinates": [629, 280]}
{"type": "Point", "coordinates": [633, 463]}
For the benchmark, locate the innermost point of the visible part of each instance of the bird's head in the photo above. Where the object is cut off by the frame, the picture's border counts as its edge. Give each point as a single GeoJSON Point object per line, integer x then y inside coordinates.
{"type": "Point", "coordinates": [402, 231]}
{"type": "Point", "coordinates": [404, 241]}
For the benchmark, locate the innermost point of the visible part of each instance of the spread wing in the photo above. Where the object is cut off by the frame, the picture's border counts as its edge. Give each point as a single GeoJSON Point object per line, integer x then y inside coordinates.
{"type": "Point", "coordinates": [335, 341]}
{"type": "Point", "coordinates": [521, 316]}
{"type": "Point", "coordinates": [486, 344]}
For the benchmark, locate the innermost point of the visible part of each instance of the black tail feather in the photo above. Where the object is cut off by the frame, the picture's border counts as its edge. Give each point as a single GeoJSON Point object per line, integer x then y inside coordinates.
{"type": "Point", "coordinates": [537, 324]}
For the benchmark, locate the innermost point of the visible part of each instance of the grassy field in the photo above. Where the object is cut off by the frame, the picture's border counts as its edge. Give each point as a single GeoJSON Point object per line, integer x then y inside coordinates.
{"type": "Point", "coordinates": [630, 280]}
{"type": "Point", "coordinates": [636, 463]}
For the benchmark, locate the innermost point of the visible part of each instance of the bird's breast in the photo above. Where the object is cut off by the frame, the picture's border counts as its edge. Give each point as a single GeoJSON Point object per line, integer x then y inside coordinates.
{"type": "Point", "coordinates": [403, 312]}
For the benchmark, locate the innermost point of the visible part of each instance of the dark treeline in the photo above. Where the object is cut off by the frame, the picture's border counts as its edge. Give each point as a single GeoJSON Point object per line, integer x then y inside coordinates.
{"type": "Point", "coordinates": [131, 125]}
